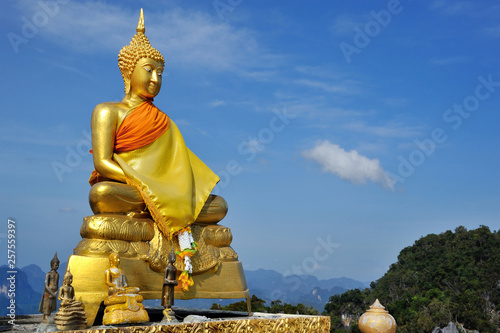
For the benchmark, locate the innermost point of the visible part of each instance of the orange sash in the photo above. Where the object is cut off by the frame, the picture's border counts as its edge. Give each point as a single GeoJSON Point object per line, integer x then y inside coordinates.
{"type": "Point", "coordinates": [142, 126]}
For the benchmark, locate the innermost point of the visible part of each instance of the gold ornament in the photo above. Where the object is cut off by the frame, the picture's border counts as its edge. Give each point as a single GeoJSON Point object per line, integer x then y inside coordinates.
{"type": "Point", "coordinates": [377, 320]}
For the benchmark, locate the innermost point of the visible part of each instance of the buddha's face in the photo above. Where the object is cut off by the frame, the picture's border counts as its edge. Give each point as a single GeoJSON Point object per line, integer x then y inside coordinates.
{"type": "Point", "coordinates": [145, 81]}
{"type": "Point", "coordinates": [114, 259]}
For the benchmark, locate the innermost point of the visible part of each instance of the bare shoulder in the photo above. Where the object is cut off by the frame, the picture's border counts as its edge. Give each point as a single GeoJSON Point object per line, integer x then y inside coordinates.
{"type": "Point", "coordinates": [107, 109]}
{"type": "Point", "coordinates": [108, 114]}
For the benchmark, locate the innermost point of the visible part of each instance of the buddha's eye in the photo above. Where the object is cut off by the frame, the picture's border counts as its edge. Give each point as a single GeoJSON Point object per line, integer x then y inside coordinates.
{"type": "Point", "coordinates": [148, 69]}
{"type": "Point", "coordinates": [160, 73]}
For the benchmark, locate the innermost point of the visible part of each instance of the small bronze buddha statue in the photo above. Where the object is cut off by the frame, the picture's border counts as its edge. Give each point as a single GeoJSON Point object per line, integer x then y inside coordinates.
{"type": "Point", "coordinates": [49, 297]}
{"type": "Point", "coordinates": [169, 283]}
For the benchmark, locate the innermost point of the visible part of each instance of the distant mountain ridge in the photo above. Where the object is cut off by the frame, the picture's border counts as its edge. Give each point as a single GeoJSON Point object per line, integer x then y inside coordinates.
{"type": "Point", "coordinates": [268, 285]}
{"type": "Point", "coordinates": [35, 276]}
{"type": "Point", "coordinates": [26, 299]}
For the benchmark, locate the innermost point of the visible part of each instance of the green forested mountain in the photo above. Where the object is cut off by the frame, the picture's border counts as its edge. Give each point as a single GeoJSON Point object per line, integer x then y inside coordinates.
{"type": "Point", "coordinates": [453, 276]}
{"type": "Point", "coordinates": [259, 305]}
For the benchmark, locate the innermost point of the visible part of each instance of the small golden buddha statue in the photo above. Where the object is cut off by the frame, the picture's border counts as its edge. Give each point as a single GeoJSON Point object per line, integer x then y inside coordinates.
{"type": "Point", "coordinates": [115, 278]}
{"type": "Point", "coordinates": [71, 313]}
{"type": "Point", "coordinates": [123, 305]}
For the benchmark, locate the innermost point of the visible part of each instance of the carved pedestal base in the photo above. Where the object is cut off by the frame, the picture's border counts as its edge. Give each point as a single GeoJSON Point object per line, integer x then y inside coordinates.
{"type": "Point", "coordinates": [143, 251]}
{"type": "Point", "coordinates": [88, 281]}
{"type": "Point", "coordinates": [71, 316]}
{"type": "Point", "coordinates": [135, 238]}
{"type": "Point", "coordinates": [104, 234]}
{"type": "Point", "coordinates": [122, 309]}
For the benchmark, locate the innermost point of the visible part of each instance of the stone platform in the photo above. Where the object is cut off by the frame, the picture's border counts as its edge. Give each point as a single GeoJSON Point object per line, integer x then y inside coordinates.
{"type": "Point", "coordinates": [206, 321]}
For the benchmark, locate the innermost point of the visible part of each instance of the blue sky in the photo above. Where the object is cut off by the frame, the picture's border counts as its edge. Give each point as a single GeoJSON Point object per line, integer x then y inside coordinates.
{"type": "Point", "coordinates": [359, 125]}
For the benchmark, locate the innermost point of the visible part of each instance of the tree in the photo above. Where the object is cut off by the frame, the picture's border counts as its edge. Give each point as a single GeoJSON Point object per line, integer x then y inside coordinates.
{"type": "Point", "coordinates": [259, 305]}
{"type": "Point", "coordinates": [452, 276]}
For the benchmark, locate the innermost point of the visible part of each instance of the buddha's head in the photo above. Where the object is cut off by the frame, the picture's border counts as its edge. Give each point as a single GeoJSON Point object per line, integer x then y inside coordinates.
{"type": "Point", "coordinates": [114, 259]}
{"type": "Point", "coordinates": [54, 263]}
{"type": "Point", "coordinates": [68, 278]}
{"type": "Point", "coordinates": [138, 49]}
{"type": "Point", "coordinates": [171, 256]}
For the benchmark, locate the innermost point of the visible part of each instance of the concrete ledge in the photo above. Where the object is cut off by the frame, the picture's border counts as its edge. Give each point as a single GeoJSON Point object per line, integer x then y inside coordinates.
{"type": "Point", "coordinates": [257, 322]}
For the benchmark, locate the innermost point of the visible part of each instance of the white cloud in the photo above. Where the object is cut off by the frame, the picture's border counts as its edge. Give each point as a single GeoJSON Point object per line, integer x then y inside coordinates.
{"type": "Point", "coordinates": [258, 75]}
{"type": "Point", "coordinates": [217, 103]}
{"type": "Point", "coordinates": [328, 78]}
{"type": "Point", "coordinates": [450, 60]}
{"type": "Point", "coordinates": [185, 37]}
{"type": "Point", "coordinates": [325, 71]}
{"type": "Point", "coordinates": [452, 7]}
{"type": "Point", "coordinates": [343, 25]}
{"type": "Point", "coordinates": [348, 165]}
{"type": "Point", "coordinates": [373, 147]}
{"type": "Point", "coordinates": [321, 111]}
{"type": "Point", "coordinates": [390, 130]}
{"type": "Point", "coordinates": [394, 102]}
{"type": "Point", "coordinates": [67, 210]}
{"type": "Point", "coordinates": [493, 31]}
{"type": "Point", "coordinates": [317, 108]}
{"type": "Point", "coordinates": [344, 87]}
{"type": "Point", "coordinates": [54, 136]}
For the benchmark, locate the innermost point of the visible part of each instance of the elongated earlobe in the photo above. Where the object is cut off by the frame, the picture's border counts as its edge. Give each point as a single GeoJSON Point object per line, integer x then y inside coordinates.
{"type": "Point", "coordinates": [127, 84]}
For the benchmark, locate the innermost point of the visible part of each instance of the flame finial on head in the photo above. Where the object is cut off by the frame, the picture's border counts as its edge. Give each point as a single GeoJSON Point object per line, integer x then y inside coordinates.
{"type": "Point", "coordinates": [54, 260]}
{"type": "Point", "coordinates": [140, 24]}
{"type": "Point", "coordinates": [68, 275]}
{"type": "Point", "coordinates": [171, 256]}
{"type": "Point", "coordinates": [138, 48]}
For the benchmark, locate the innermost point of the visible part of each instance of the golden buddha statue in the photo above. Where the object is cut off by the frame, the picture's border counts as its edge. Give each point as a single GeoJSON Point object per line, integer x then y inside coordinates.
{"type": "Point", "coordinates": [115, 278]}
{"type": "Point", "coordinates": [123, 305]}
{"type": "Point", "coordinates": [151, 193]}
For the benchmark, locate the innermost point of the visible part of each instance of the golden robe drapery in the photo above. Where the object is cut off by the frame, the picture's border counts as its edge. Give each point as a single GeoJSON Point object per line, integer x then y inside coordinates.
{"type": "Point", "coordinates": [172, 180]}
